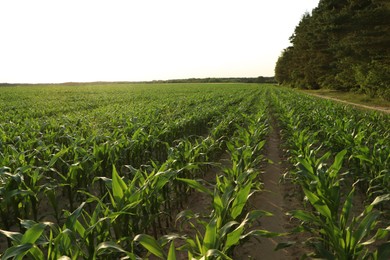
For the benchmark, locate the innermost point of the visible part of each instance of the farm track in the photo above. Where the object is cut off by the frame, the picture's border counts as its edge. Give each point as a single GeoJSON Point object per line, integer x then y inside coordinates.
{"type": "Point", "coordinates": [379, 109]}
{"type": "Point", "coordinates": [276, 197]}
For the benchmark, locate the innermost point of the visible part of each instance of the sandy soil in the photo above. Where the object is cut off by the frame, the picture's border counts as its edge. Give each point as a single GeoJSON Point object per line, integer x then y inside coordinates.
{"type": "Point", "coordinates": [277, 198]}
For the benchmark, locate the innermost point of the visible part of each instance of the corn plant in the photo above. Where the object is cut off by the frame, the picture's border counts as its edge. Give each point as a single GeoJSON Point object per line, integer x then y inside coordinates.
{"type": "Point", "coordinates": [125, 157]}
{"type": "Point", "coordinates": [227, 224]}
{"type": "Point", "coordinates": [315, 132]}
{"type": "Point", "coordinates": [340, 236]}
{"type": "Point", "coordinates": [363, 134]}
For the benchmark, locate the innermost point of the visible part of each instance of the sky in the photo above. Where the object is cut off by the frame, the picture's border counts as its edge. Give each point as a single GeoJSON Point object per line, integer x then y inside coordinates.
{"type": "Point", "coordinates": [54, 41]}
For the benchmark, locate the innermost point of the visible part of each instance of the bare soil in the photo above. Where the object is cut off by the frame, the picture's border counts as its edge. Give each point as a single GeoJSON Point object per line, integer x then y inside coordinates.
{"type": "Point", "coordinates": [277, 198]}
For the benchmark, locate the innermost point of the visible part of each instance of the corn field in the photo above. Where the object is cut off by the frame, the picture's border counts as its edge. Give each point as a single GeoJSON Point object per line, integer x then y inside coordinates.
{"type": "Point", "coordinates": [105, 171]}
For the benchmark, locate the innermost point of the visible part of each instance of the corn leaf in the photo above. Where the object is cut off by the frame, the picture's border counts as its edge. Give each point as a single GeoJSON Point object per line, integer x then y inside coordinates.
{"type": "Point", "coordinates": [338, 163]}
{"type": "Point", "coordinates": [346, 209]}
{"type": "Point", "coordinates": [255, 214]}
{"type": "Point", "coordinates": [240, 201]}
{"type": "Point", "coordinates": [17, 251]}
{"type": "Point", "coordinates": [217, 254]}
{"type": "Point", "coordinates": [196, 185]}
{"type": "Point", "coordinates": [71, 220]}
{"type": "Point", "coordinates": [380, 199]}
{"type": "Point", "coordinates": [305, 216]}
{"type": "Point", "coordinates": [110, 246]}
{"type": "Point", "coordinates": [318, 204]}
{"type": "Point", "coordinates": [224, 230]}
{"type": "Point", "coordinates": [33, 233]}
{"type": "Point", "coordinates": [210, 237]}
{"type": "Point", "coordinates": [36, 253]}
{"type": "Point", "coordinates": [14, 236]}
{"type": "Point", "coordinates": [261, 233]}
{"type": "Point", "coordinates": [365, 226]}
{"type": "Point", "coordinates": [172, 252]}
{"type": "Point", "coordinates": [150, 244]}
{"type": "Point", "coordinates": [234, 236]}
{"type": "Point", "coordinates": [284, 245]}
{"type": "Point", "coordinates": [162, 178]}
{"type": "Point", "coordinates": [217, 204]}
{"type": "Point", "coordinates": [118, 185]}
{"type": "Point", "coordinates": [57, 156]}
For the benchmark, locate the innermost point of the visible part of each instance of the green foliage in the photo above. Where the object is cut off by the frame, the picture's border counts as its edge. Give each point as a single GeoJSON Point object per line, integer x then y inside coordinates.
{"type": "Point", "coordinates": [112, 165]}
{"type": "Point", "coordinates": [341, 45]}
{"type": "Point", "coordinates": [319, 132]}
{"type": "Point", "coordinates": [108, 160]}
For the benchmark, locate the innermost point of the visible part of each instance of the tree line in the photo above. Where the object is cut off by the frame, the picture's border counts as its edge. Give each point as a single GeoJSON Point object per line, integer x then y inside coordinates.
{"type": "Point", "coordinates": [341, 45]}
{"type": "Point", "coordinates": [260, 79]}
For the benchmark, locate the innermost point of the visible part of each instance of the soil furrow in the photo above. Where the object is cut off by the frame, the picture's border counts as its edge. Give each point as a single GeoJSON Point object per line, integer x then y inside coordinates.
{"type": "Point", "coordinates": [277, 198]}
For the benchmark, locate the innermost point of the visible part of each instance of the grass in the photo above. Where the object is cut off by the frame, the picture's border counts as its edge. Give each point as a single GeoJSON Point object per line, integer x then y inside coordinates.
{"type": "Point", "coordinates": [352, 97]}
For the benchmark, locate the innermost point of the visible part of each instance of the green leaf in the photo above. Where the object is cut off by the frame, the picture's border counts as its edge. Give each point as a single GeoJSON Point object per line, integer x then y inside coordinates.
{"type": "Point", "coordinates": [162, 178]}
{"type": "Point", "coordinates": [338, 162]}
{"type": "Point", "coordinates": [28, 223]}
{"type": "Point", "coordinates": [305, 165]}
{"type": "Point", "coordinates": [318, 204]}
{"type": "Point", "coordinates": [57, 156]}
{"type": "Point", "coordinates": [196, 185]}
{"type": "Point", "coordinates": [18, 251]}
{"type": "Point", "coordinates": [150, 244]}
{"type": "Point", "coordinates": [210, 236]}
{"type": "Point", "coordinates": [218, 204]}
{"type": "Point", "coordinates": [33, 233]}
{"type": "Point", "coordinates": [262, 233]}
{"type": "Point", "coordinates": [234, 236]}
{"type": "Point", "coordinates": [20, 192]}
{"type": "Point", "coordinates": [198, 243]}
{"type": "Point", "coordinates": [304, 216]}
{"type": "Point", "coordinates": [14, 236]}
{"type": "Point", "coordinates": [240, 201]}
{"type": "Point", "coordinates": [72, 219]}
{"type": "Point", "coordinates": [118, 185]}
{"type": "Point", "coordinates": [380, 199]}
{"type": "Point", "coordinates": [163, 240]}
{"type": "Point", "coordinates": [172, 252]}
{"type": "Point", "coordinates": [111, 246]}
{"type": "Point", "coordinates": [65, 239]}
{"type": "Point", "coordinates": [255, 214]}
{"type": "Point", "coordinates": [36, 253]}
{"type": "Point", "coordinates": [284, 245]}
{"type": "Point", "coordinates": [365, 226]}
{"type": "Point", "coordinates": [217, 254]}
{"type": "Point", "coordinates": [346, 209]}
{"type": "Point", "coordinates": [224, 230]}
{"type": "Point", "coordinates": [187, 214]}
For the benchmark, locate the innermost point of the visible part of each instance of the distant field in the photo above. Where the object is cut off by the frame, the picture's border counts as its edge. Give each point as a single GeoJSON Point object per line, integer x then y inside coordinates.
{"type": "Point", "coordinates": [102, 170]}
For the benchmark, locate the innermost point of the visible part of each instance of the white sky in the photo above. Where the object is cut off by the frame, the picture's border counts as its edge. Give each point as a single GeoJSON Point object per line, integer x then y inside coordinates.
{"type": "Point", "coordinates": [91, 40]}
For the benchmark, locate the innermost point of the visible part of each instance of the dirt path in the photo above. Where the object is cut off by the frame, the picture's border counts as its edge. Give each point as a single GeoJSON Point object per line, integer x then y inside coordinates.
{"type": "Point", "coordinates": [277, 198]}
{"type": "Point", "coordinates": [380, 109]}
